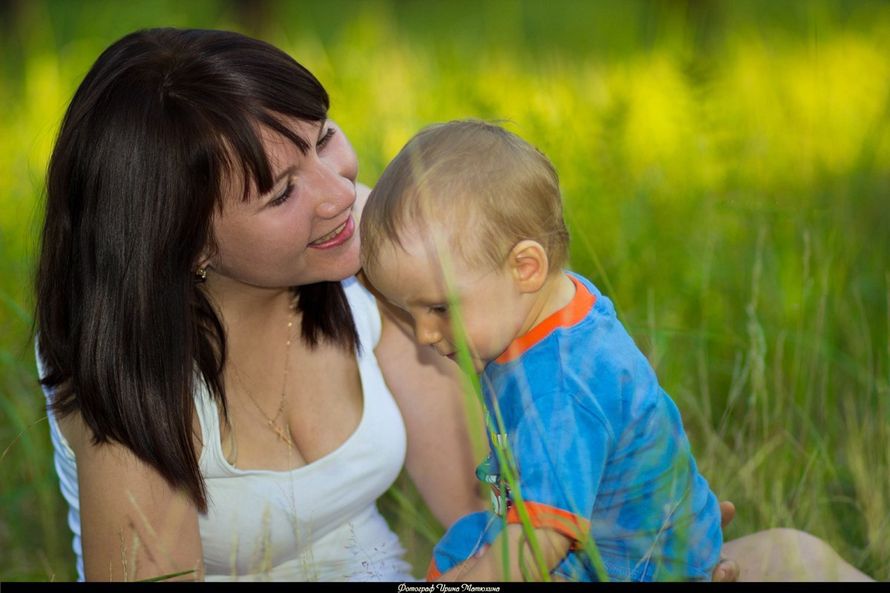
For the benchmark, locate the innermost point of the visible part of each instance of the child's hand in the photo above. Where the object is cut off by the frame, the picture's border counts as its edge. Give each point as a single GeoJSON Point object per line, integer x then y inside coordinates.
{"type": "Point", "coordinates": [727, 570]}
{"type": "Point", "coordinates": [487, 564]}
{"type": "Point", "coordinates": [727, 513]}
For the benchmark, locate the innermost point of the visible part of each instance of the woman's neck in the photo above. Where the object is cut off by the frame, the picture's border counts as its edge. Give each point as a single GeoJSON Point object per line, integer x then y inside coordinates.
{"type": "Point", "coordinates": [245, 308]}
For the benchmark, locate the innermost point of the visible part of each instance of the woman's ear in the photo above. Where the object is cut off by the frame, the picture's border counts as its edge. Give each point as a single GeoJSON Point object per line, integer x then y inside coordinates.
{"type": "Point", "coordinates": [203, 263]}
{"type": "Point", "coordinates": [529, 265]}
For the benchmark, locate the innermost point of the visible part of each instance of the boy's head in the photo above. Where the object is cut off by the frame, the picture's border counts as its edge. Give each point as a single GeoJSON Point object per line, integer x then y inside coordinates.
{"type": "Point", "coordinates": [473, 202]}
{"type": "Point", "coordinates": [477, 185]}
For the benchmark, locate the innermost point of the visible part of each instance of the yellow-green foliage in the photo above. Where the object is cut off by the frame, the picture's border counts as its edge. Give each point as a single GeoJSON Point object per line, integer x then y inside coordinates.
{"type": "Point", "coordinates": [725, 167]}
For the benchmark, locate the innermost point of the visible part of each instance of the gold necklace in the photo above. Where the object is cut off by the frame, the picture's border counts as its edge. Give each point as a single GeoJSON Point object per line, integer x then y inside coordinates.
{"type": "Point", "coordinates": [282, 432]}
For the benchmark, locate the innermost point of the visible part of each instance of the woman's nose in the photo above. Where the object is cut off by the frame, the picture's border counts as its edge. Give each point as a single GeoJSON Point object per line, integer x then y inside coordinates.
{"type": "Point", "coordinates": [336, 193]}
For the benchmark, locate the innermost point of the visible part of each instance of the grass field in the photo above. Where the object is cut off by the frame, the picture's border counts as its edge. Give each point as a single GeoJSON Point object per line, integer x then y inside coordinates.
{"type": "Point", "coordinates": [726, 173]}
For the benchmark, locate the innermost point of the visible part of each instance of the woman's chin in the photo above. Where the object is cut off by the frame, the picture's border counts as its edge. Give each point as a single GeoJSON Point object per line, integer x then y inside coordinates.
{"type": "Point", "coordinates": [348, 264]}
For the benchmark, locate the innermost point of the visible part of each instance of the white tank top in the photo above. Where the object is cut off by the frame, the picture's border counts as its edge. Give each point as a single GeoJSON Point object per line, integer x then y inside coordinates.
{"type": "Point", "coordinates": [316, 522]}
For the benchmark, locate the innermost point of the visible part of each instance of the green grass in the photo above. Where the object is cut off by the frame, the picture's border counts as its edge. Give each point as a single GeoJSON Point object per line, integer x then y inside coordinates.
{"type": "Point", "coordinates": [725, 167]}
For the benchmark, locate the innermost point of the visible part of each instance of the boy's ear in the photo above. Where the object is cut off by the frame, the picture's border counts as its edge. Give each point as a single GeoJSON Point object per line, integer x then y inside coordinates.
{"type": "Point", "coordinates": [529, 265]}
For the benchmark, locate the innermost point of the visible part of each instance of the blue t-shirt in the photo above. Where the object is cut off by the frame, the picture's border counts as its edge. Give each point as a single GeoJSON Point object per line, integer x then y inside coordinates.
{"type": "Point", "coordinates": [600, 452]}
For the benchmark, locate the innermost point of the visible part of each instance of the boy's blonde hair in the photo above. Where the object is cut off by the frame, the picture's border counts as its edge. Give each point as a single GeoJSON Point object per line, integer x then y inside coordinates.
{"type": "Point", "coordinates": [487, 188]}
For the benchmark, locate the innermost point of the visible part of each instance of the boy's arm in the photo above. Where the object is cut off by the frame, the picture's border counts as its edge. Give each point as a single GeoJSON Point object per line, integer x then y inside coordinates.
{"type": "Point", "coordinates": [522, 565]}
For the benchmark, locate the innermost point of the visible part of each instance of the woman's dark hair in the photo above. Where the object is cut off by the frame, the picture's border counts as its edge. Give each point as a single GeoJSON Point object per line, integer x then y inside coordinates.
{"type": "Point", "coordinates": [162, 117]}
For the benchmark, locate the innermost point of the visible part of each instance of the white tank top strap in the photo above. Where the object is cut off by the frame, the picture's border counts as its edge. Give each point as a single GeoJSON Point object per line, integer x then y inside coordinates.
{"type": "Point", "coordinates": [66, 468]}
{"type": "Point", "coordinates": [211, 459]}
{"type": "Point", "coordinates": [364, 312]}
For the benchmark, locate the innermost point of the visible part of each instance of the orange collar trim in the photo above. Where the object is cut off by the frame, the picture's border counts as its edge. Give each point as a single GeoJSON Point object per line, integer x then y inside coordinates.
{"type": "Point", "coordinates": [572, 313]}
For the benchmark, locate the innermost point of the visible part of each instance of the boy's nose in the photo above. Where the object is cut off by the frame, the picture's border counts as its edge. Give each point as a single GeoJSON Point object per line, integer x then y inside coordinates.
{"type": "Point", "coordinates": [427, 335]}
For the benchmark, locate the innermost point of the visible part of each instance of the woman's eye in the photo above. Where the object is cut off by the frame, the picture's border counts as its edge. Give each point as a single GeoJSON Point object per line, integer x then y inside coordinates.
{"type": "Point", "coordinates": [439, 309]}
{"type": "Point", "coordinates": [283, 196]}
{"type": "Point", "coordinates": [323, 141]}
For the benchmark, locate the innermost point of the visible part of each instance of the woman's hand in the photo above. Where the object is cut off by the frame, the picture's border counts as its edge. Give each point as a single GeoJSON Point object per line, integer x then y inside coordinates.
{"type": "Point", "coordinates": [727, 570]}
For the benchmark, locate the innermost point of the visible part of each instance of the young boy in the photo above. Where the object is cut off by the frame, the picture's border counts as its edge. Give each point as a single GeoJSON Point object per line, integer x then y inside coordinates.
{"type": "Point", "coordinates": [603, 467]}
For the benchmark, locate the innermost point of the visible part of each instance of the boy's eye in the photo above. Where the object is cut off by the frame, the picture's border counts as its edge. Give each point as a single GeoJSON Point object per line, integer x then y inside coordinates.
{"type": "Point", "coordinates": [439, 309]}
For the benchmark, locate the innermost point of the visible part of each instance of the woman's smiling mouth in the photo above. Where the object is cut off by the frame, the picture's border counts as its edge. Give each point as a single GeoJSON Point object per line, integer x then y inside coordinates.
{"type": "Point", "coordinates": [336, 237]}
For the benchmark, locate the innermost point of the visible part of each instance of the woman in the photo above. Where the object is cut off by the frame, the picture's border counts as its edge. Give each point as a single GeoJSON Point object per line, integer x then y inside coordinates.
{"type": "Point", "coordinates": [220, 420]}
{"type": "Point", "coordinates": [226, 399]}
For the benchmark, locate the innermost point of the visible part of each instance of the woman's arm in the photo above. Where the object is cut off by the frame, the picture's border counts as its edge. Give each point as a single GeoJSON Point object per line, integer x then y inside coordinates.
{"type": "Point", "coordinates": [134, 526]}
{"type": "Point", "coordinates": [427, 389]}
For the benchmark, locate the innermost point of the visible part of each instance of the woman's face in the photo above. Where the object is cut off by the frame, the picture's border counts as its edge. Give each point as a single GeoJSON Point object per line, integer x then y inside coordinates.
{"type": "Point", "coordinates": [303, 230]}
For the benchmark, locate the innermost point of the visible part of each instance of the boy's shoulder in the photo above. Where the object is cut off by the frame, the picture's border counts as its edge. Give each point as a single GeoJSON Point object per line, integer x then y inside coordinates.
{"type": "Point", "coordinates": [601, 327]}
{"type": "Point", "coordinates": [602, 305]}
{"type": "Point", "coordinates": [594, 351]}
{"type": "Point", "coordinates": [587, 334]}
{"type": "Point", "coordinates": [588, 346]}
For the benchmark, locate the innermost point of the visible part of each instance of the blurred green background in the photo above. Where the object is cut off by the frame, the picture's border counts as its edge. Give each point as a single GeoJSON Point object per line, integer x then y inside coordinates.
{"type": "Point", "coordinates": [726, 172]}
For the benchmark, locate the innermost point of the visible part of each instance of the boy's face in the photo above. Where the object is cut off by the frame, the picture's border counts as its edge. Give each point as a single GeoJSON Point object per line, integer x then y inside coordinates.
{"type": "Point", "coordinates": [492, 308]}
